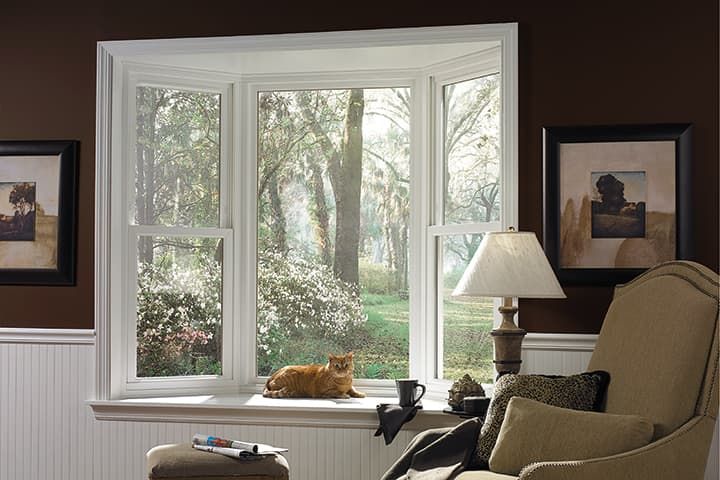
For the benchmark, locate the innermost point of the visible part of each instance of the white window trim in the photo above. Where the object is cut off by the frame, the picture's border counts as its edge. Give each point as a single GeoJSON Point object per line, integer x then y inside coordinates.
{"type": "Point", "coordinates": [457, 70]}
{"type": "Point", "coordinates": [124, 245]}
{"type": "Point", "coordinates": [111, 55]}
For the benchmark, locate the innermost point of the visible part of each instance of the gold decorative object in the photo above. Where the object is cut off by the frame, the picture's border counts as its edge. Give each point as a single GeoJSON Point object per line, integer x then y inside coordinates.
{"type": "Point", "coordinates": [465, 387]}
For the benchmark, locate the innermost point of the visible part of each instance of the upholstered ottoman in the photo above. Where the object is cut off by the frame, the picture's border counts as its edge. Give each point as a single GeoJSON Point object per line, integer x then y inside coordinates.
{"type": "Point", "coordinates": [182, 462]}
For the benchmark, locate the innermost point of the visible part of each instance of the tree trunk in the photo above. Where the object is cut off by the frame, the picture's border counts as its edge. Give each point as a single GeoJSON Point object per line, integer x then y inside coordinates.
{"type": "Point", "coordinates": [319, 211]}
{"type": "Point", "coordinates": [347, 197]}
{"type": "Point", "coordinates": [345, 172]}
{"type": "Point", "coordinates": [279, 224]}
{"type": "Point", "coordinates": [404, 256]}
{"type": "Point", "coordinates": [148, 104]}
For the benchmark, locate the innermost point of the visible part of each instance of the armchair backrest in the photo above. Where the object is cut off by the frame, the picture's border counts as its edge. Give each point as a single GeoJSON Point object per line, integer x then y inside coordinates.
{"type": "Point", "coordinates": [659, 341]}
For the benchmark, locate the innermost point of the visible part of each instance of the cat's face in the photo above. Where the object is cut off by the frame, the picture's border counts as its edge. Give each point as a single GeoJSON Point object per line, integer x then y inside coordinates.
{"type": "Point", "coordinates": [341, 365]}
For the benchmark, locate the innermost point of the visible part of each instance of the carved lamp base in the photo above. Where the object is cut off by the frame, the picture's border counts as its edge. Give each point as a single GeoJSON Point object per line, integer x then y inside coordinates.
{"type": "Point", "coordinates": [508, 340]}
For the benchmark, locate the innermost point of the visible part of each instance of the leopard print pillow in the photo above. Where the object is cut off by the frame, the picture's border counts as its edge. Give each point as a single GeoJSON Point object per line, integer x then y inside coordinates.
{"type": "Point", "coordinates": [578, 392]}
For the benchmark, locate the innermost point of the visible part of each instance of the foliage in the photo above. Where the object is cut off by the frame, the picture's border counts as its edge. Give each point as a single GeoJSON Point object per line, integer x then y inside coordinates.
{"type": "Point", "coordinates": [22, 197]}
{"type": "Point", "coordinates": [376, 278]}
{"type": "Point", "coordinates": [301, 302]}
{"type": "Point", "coordinates": [304, 310]}
{"type": "Point", "coordinates": [472, 150]}
{"type": "Point", "coordinates": [179, 319]}
{"type": "Point", "coordinates": [467, 344]}
{"type": "Point", "coordinates": [472, 153]}
{"type": "Point", "coordinates": [178, 148]}
{"type": "Point", "coordinates": [381, 346]}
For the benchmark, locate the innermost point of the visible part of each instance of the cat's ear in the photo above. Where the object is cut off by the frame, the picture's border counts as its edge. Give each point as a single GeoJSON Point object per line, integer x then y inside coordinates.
{"type": "Point", "coordinates": [350, 354]}
{"type": "Point", "coordinates": [331, 357]}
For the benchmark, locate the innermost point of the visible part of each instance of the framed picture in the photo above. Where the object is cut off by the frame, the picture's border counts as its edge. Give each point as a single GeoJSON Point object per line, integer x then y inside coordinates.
{"type": "Point", "coordinates": [616, 200]}
{"type": "Point", "coordinates": [38, 195]}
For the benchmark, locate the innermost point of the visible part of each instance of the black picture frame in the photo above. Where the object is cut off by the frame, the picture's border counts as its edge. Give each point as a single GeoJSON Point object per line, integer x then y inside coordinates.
{"type": "Point", "coordinates": [65, 152]}
{"type": "Point", "coordinates": [554, 137]}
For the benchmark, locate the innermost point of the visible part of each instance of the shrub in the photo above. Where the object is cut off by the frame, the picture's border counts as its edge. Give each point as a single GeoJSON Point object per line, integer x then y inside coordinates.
{"type": "Point", "coordinates": [179, 321]}
{"type": "Point", "coordinates": [375, 278]}
{"type": "Point", "coordinates": [303, 311]}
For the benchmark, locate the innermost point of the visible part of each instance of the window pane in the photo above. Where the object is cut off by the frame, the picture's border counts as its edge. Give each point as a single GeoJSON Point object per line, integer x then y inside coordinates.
{"type": "Point", "coordinates": [333, 217]}
{"type": "Point", "coordinates": [178, 158]}
{"type": "Point", "coordinates": [465, 322]}
{"type": "Point", "coordinates": [179, 306]}
{"type": "Point", "coordinates": [472, 150]}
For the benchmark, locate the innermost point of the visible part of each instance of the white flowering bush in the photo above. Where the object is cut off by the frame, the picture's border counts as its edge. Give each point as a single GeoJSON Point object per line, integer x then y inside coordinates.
{"type": "Point", "coordinates": [304, 312]}
{"type": "Point", "coordinates": [179, 320]}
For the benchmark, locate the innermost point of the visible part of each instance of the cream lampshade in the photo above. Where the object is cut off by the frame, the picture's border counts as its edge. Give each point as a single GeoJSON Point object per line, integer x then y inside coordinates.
{"type": "Point", "coordinates": [509, 264]}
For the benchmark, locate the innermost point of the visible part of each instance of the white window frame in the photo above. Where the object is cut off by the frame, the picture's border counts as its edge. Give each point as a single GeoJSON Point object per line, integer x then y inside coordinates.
{"type": "Point", "coordinates": [124, 245]}
{"type": "Point", "coordinates": [250, 86]}
{"type": "Point", "coordinates": [113, 264]}
{"type": "Point", "coordinates": [448, 73]}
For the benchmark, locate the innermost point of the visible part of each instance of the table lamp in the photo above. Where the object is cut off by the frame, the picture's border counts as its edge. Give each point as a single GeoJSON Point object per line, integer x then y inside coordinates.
{"type": "Point", "coordinates": [509, 264]}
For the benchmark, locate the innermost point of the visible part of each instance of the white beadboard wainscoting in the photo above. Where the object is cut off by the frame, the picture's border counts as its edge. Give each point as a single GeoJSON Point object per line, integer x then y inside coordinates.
{"type": "Point", "coordinates": [48, 432]}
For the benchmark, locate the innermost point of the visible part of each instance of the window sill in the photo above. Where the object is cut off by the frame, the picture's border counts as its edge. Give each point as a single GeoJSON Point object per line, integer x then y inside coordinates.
{"type": "Point", "coordinates": [254, 409]}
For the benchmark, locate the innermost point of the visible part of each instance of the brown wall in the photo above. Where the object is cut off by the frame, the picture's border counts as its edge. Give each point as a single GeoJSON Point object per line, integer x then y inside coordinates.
{"type": "Point", "coordinates": [581, 63]}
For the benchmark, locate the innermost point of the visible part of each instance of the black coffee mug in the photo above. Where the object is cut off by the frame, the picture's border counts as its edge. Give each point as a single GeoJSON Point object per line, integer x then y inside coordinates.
{"type": "Point", "coordinates": [407, 390]}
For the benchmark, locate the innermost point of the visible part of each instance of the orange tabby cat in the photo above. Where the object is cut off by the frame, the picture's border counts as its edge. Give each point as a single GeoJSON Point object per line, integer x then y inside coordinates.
{"type": "Point", "coordinates": [333, 380]}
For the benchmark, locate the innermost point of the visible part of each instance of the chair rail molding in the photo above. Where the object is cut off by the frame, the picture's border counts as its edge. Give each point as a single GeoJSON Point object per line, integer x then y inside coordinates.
{"type": "Point", "coordinates": [47, 335]}
{"type": "Point", "coordinates": [568, 342]}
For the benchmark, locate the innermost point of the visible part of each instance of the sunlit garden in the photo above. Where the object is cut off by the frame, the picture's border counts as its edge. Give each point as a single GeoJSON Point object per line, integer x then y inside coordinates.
{"type": "Point", "coordinates": [333, 216]}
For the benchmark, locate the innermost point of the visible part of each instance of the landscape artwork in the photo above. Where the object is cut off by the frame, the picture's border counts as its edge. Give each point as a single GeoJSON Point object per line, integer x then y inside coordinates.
{"type": "Point", "coordinates": [617, 204]}
{"type": "Point", "coordinates": [17, 211]}
{"type": "Point", "coordinates": [29, 194]}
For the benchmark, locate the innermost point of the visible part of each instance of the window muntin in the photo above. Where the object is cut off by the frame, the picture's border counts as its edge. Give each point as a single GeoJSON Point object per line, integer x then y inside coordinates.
{"type": "Point", "coordinates": [333, 228]}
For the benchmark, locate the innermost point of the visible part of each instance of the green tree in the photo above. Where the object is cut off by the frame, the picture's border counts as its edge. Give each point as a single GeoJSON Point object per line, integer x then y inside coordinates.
{"type": "Point", "coordinates": [472, 155]}
{"type": "Point", "coordinates": [388, 180]}
{"type": "Point", "coordinates": [22, 197]}
{"type": "Point", "coordinates": [178, 160]}
{"type": "Point", "coordinates": [344, 167]}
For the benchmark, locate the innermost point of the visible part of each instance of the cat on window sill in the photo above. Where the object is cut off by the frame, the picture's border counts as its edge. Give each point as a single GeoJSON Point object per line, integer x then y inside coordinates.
{"type": "Point", "coordinates": [333, 380]}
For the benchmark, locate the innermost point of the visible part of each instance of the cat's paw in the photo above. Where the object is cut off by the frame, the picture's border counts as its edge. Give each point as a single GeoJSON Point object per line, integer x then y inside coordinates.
{"type": "Point", "coordinates": [343, 395]}
{"type": "Point", "coordinates": [356, 394]}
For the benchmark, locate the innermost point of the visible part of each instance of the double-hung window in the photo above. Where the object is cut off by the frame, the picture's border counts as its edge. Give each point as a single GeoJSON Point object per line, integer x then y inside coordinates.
{"type": "Point", "coordinates": [467, 202]}
{"type": "Point", "coordinates": [268, 201]}
{"type": "Point", "coordinates": [176, 280]}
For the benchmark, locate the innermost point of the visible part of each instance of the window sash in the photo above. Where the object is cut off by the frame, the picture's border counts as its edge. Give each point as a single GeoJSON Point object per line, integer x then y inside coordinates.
{"type": "Point", "coordinates": [125, 364]}
{"type": "Point", "coordinates": [438, 228]}
{"type": "Point", "coordinates": [141, 383]}
{"type": "Point", "coordinates": [145, 76]}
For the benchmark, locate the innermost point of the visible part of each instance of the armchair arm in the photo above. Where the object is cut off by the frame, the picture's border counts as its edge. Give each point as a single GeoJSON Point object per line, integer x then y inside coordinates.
{"type": "Point", "coordinates": [682, 454]}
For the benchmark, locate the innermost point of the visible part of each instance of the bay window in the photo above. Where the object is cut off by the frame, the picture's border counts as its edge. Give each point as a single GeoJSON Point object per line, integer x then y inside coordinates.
{"type": "Point", "coordinates": [269, 203]}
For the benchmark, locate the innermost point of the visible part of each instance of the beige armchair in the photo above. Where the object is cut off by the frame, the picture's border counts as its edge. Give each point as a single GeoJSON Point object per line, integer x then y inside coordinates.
{"type": "Point", "coordinates": [659, 341]}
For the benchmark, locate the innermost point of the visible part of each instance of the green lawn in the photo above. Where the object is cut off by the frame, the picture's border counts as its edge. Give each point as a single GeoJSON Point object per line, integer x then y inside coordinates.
{"type": "Point", "coordinates": [382, 350]}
